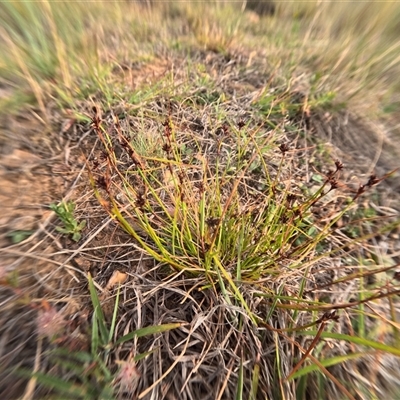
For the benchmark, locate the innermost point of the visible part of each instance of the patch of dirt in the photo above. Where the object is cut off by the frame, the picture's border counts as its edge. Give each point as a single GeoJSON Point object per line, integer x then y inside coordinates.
{"type": "Point", "coordinates": [364, 146]}
{"type": "Point", "coordinates": [27, 186]}
{"type": "Point", "coordinates": [34, 173]}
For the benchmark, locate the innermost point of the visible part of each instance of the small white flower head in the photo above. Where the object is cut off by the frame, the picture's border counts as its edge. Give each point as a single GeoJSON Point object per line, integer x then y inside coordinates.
{"type": "Point", "coordinates": [50, 323]}
{"type": "Point", "coordinates": [127, 377]}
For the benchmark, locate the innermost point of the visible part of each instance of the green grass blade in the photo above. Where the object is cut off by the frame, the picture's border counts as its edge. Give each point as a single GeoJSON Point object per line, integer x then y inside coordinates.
{"type": "Point", "coordinates": [95, 333]}
{"type": "Point", "coordinates": [356, 340]}
{"type": "Point", "coordinates": [328, 362]}
{"type": "Point", "coordinates": [234, 288]}
{"type": "Point", "coordinates": [141, 356]}
{"type": "Point", "coordinates": [255, 378]}
{"type": "Point", "coordinates": [114, 317]}
{"type": "Point", "coordinates": [52, 382]}
{"type": "Point", "coordinates": [150, 330]}
{"type": "Point", "coordinates": [98, 316]}
{"type": "Point", "coordinates": [239, 390]}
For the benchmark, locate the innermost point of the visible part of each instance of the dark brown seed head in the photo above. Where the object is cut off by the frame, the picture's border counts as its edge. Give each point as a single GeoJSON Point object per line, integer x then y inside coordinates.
{"type": "Point", "coordinates": [334, 183]}
{"type": "Point", "coordinates": [166, 147]}
{"type": "Point", "coordinates": [339, 165]}
{"type": "Point", "coordinates": [140, 201]}
{"type": "Point", "coordinates": [284, 148]}
{"type": "Point", "coordinates": [212, 222]}
{"type": "Point", "coordinates": [373, 180]}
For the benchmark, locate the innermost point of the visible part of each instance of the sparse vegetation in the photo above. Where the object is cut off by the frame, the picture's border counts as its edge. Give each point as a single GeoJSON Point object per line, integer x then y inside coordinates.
{"type": "Point", "coordinates": [19, 236]}
{"type": "Point", "coordinates": [88, 372]}
{"type": "Point", "coordinates": [228, 251]}
{"type": "Point", "coordinates": [65, 212]}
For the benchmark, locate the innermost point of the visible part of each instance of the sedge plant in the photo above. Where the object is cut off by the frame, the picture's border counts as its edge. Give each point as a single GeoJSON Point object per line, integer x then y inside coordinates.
{"type": "Point", "coordinates": [233, 216]}
{"type": "Point", "coordinates": [229, 213]}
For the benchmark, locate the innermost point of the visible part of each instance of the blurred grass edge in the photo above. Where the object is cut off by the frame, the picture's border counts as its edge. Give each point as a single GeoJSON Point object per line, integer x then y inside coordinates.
{"type": "Point", "coordinates": [67, 50]}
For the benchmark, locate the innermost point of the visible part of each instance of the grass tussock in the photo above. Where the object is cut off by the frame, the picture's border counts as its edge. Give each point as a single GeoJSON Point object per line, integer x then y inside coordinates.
{"type": "Point", "coordinates": [230, 211]}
